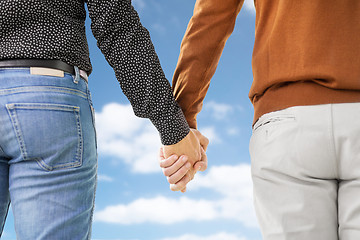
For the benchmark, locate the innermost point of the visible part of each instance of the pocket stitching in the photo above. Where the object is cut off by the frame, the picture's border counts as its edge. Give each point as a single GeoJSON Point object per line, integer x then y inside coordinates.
{"type": "Point", "coordinates": [44, 106]}
{"type": "Point", "coordinates": [43, 89]}
{"type": "Point", "coordinates": [273, 119]}
{"type": "Point", "coordinates": [13, 117]}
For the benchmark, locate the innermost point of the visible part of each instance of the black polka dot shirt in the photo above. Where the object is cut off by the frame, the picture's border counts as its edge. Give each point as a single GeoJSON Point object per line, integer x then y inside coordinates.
{"type": "Point", "coordinates": [55, 29]}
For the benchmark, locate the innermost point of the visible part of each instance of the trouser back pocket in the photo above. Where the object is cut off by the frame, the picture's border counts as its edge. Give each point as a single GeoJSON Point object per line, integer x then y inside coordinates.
{"type": "Point", "coordinates": [48, 133]}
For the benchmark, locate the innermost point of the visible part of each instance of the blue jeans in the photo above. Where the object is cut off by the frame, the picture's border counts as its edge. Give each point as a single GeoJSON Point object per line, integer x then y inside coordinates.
{"type": "Point", "coordinates": [48, 159]}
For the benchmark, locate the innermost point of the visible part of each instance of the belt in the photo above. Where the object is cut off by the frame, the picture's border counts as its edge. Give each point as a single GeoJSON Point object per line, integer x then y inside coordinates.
{"type": "Point", "coordinates": [42, 63]}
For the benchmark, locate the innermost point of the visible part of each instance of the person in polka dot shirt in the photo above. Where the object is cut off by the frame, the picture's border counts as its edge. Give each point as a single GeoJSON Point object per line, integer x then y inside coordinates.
{"type": "Point", "coordinates": [48, 154]}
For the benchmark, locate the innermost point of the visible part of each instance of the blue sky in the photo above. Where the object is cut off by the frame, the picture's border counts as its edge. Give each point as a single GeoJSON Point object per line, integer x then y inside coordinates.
{"type": "Point", "coordinates": [133, 198]}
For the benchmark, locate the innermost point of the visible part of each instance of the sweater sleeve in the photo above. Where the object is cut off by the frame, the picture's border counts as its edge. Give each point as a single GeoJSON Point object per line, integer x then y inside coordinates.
{"type": "Point", "coordinates": [127, 47]}
{"type": "Point", "coordinates": [212, 23]}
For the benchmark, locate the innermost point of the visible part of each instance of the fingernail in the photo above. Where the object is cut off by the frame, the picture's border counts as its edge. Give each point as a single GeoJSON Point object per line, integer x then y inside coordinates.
{"type": "Point", "coordinates": [188, 165]}
{"type": "Point", "coordinates": [199, 168]}
{"type": "Point", "coordinates": [173, 157]}
{"type": "Point", "coordinates": [183, 158]}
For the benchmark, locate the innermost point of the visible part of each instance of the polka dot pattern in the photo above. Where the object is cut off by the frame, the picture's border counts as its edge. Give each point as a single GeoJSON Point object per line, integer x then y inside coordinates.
{"type": "Point", "coordinates": [56, 30]}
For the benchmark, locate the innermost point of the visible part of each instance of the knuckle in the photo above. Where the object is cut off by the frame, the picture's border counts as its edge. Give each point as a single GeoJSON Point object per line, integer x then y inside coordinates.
{"type": "Point", "coordinates": [190, 177]}
{"type": "Point", "coordinates": [180, 185]}
{"type": "Point", "coordinates": [183, 171]}
{"type": "Point", "coordinates": [162, 163]}
{"type": "Point", "coordinates": [177, 164]}
{"type": "Point", "coordinates": [171, 180]}
{"type": "Point", "coordinates": [166, 172]}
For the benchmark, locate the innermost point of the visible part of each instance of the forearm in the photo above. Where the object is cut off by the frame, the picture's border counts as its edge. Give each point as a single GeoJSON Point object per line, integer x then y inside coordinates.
{"type": "Point", "coordinates": [208, 30]}
{"type": "Point", "coordinates": [127, 47]}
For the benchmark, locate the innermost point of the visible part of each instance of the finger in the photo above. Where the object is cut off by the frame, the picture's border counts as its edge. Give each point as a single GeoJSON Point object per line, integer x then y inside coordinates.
{"type": "Point", "coordinates": [202, 164]}
{"type": "Point", "coordinates": [179, 174]}
{"type": "Point", "coordinates": [161, 154]}
{"type": "Point", "coordinates": [165, 163]}
{"type": "Point", "coordinates": [173, 166]}
{"type": "Point", "coordinates": [198, 166]}
{"type": "Point", "coordinates": [204, 141]}
{"type": "Point", "coordinates": [181, 184]}
{"type": "Point", "coordinates": [183, 190]}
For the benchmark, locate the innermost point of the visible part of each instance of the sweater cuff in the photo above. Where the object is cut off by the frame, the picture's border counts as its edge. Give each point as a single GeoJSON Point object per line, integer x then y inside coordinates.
{"type": "Point", "coordinates": [172, 127]}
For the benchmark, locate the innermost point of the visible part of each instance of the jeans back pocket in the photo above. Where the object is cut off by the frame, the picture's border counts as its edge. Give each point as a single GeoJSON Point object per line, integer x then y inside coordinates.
{"type": "Point", "coordinates": [48, 133]}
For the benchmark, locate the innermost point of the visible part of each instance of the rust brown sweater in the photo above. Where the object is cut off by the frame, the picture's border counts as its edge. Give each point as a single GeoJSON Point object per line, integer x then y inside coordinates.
{"type": "Point", "coordinates": [305, 53]}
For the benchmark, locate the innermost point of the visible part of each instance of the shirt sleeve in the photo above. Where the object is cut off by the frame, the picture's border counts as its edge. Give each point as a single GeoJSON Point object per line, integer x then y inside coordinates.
{"type": "Point", "coordinates": [211, 25]}
{"type": "Point", "coordinates": [127, 47]}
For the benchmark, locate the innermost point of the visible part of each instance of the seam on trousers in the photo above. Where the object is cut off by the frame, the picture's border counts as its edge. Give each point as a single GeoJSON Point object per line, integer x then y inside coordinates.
{"type": "Point", "coordinates": [3, 224]}
{"type": "Point", "coordinates": [13, 118]}
{"type": "Point", "coordinates": [43, 89]}
{"type": "Point", "coordinates": [93, 206]}
{"type": "Point", "coordinates": [332, 143]}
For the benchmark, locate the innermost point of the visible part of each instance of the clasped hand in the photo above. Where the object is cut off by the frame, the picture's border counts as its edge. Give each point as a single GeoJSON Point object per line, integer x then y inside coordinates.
{"type": "Point", "coordinates": [181, 161]}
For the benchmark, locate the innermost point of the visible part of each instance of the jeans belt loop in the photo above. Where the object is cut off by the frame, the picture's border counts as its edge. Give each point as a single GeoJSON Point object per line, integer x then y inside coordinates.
{"type": "Point", "coordinates": [77, 75]}
{"type": "Point", "coordinates": [84, 75]}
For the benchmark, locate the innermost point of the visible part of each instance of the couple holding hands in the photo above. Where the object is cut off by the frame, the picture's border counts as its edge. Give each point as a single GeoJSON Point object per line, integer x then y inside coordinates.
{"type": "Point", "coordinates": [306, 92]}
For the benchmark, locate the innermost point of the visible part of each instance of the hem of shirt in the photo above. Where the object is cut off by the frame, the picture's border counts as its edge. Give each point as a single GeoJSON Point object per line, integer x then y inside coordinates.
{"type": "Point", "coordinates": [302, 93]}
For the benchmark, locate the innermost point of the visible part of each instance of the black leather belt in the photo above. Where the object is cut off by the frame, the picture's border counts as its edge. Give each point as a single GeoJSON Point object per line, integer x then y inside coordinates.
{"type": "Point", "coordinates": [51, 63]}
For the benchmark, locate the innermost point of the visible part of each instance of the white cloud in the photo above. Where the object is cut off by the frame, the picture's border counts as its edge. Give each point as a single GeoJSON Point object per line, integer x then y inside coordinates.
{"type": "Point", "coordinates": [218, 236]}
{"type": "Point", "coordinates": [229, 181]}
{"type": "Point", "coordinates": [136, 142]}
{"type": "Point", "coordinates": [161, 210]}
{"type": "Point", "coordinates": [104, 178]}
{"type": "Point", "coordinates": [127, 138]}
{"type": "Point", "coordinates": [158, 210]}
{"type": "Point", "coordinates": [211, 134]}
{"type": "Point", "coordinates": [233, 183]}
{"type": "Point", "coordinates": [219, 111]}
{"type": "Point", "coordinates": [233, 131]}
{"type": "Point", "coordinates": [249, 5]}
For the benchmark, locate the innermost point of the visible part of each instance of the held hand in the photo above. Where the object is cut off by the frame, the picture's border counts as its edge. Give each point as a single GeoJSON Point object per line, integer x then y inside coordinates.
{"type": "Point", "coordinates": [204, 142]}
{"type": "Point", "coordinates": [189, 146]}
{"type": "Point", "coordinates": [176, 170]}
{"type": "Point", "coordinates": [179, 171]}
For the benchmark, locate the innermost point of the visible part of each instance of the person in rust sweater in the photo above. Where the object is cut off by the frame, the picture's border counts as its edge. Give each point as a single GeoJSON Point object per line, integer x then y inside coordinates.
{"type": "Point", "coordinates": [305, 146]}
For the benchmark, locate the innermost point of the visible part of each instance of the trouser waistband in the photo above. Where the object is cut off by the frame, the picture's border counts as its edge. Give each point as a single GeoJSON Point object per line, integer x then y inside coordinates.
{"type": "Point", "coordinates": [42, 65]}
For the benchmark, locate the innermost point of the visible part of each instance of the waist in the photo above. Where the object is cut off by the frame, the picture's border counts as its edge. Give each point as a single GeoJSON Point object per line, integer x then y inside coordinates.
{"type": "Point", "coordinates": [51, 67]}
{"type": "Point", "coordinates": [303, 93]}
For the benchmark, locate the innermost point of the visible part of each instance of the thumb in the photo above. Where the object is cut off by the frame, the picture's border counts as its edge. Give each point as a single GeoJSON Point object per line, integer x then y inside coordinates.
{"type": "Point", "coordinates": [202, 164]}
{"type": "Point", "coordinates": [204, 141]}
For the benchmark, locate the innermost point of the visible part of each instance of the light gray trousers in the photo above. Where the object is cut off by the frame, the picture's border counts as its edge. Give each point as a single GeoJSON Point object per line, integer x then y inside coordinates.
{"type": "Point", "coordinates": [306, 172]}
